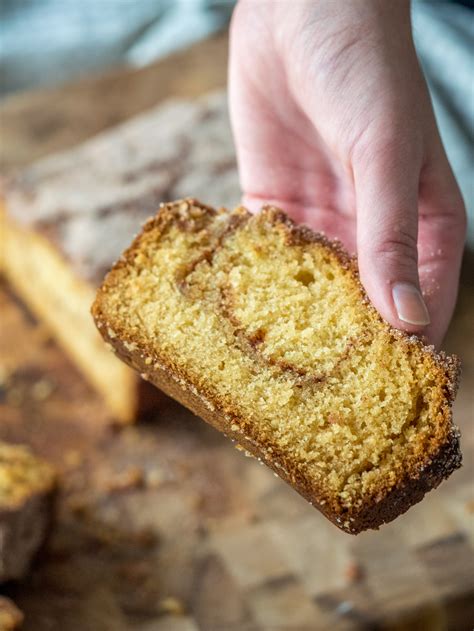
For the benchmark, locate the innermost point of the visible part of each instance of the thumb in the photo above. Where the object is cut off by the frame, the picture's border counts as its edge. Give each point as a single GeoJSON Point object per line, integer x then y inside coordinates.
{"type": "Point", "coordinates": [386, 184]}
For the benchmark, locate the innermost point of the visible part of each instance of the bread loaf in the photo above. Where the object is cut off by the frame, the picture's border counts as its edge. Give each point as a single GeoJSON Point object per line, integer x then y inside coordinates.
{"type": "Point", "coordinates": [67, 218]}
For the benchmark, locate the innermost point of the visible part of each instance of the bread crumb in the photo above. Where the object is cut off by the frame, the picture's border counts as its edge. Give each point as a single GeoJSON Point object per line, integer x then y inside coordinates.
{"type": "Point", "coordinates": [172, 606]}
{"type": "Point", "coordinates": [131, 478]}
{"type": "Point", "coordinates": [42, 389]}
{"type": "Point", "coordinates": [354, 572]}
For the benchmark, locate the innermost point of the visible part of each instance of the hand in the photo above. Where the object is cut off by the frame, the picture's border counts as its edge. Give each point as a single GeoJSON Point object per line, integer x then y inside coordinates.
{"type": "Point", "coordinates": [333, 123]}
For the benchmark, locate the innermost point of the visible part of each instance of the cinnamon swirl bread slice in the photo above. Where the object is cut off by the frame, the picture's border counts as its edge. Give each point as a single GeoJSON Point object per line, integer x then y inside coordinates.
{"type": "Point", "coordinates": [263, 329]}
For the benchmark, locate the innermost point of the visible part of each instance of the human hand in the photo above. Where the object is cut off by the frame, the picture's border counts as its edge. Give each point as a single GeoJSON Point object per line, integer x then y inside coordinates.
{"type": "Point", "coordinates": [333, 122]}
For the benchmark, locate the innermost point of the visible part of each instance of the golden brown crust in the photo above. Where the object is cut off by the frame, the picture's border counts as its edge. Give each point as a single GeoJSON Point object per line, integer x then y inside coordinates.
{"type": "Point", "coordinates": [422, 473]}
{"type": "Point", "coordinates": [407, 492]}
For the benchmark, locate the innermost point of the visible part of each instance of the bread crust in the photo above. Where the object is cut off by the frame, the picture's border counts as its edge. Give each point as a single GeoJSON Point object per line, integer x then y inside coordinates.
{"type": "Point", "coordinates": [378, 509]}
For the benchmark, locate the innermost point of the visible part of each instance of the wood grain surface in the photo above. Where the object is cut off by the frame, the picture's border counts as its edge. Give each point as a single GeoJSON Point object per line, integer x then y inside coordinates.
{"type": "Point", "coordinates": [164, 525]}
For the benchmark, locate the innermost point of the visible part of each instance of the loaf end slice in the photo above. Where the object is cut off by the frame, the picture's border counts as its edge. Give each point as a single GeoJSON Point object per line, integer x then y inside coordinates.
{"type": "Point", "coordinates": [262, 328]}
{"type": "Point", "coordinates": [27, 490]}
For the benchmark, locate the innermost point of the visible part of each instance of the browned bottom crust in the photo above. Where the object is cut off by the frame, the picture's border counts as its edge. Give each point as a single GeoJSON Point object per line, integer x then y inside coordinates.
{"type": "Point", "coordinates": [406, 493]}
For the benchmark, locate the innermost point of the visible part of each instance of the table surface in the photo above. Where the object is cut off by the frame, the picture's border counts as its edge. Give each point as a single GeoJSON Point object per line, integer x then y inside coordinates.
{"type": "Point", "coordinates": [164, 525]}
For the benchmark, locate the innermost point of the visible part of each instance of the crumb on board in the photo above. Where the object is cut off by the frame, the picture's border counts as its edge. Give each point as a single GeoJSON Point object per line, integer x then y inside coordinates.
{"type": "Point", "coordinates": [131, 478]}
{"type": "Point", "coordinates": [11, 617]}
{"type": "Point", "coordinates": [171, 605]}
{"type": "Point", "coordinates": [354, 572]}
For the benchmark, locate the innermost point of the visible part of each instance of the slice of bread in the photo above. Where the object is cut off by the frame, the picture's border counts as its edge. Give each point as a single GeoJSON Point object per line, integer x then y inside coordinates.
{"type": "Point", "coordinates": [263, 328]}
{"type": "Point", "coordinates": [27, 488]}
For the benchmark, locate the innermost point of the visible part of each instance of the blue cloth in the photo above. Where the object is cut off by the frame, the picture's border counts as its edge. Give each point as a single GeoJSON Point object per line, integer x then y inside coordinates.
{"type": "Point", "coordinates": [444, 38]}
{"type": "Point", "coordinates": [45, 42]}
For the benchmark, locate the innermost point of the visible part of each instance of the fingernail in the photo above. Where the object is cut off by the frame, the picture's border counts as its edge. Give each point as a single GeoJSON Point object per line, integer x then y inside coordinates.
{"type": "Point", "coordinates": [409, 304]}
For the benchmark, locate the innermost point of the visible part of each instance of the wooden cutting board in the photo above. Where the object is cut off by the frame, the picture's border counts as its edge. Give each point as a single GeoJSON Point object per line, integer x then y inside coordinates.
{"type": "Point", "coordinates": [165, 526]}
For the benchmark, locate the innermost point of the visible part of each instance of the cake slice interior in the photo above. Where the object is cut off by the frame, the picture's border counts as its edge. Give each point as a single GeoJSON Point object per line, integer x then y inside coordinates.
{"type": "Point", "coordinates": [268, 326]}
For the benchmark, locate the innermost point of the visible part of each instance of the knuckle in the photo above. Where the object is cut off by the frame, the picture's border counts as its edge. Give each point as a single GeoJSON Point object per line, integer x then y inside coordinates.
{"type": "Point", "coordinates": [383, 139]}
{"type": "Point", "coordinates": [368, 144]}
{"type": "Point", "coordinates": [453, 220]}
{"type": "Point", "coordinates": [399, 248]}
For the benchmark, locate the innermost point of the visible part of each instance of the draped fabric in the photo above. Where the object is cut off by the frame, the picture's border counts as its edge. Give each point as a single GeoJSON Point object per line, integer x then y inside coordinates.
{"type": "Point", "coordinates": [46, 42]}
